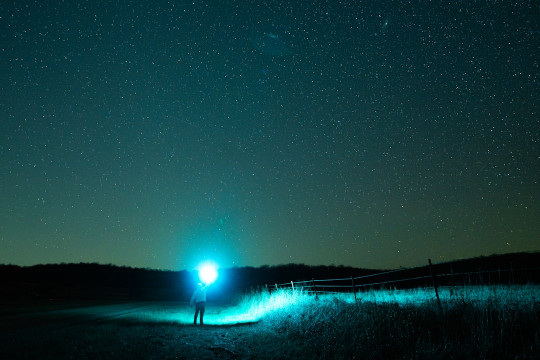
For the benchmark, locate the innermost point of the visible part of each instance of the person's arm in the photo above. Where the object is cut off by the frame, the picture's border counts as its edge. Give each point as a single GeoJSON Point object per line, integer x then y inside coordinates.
{"type": "Point", "coordinates": [192, 299]}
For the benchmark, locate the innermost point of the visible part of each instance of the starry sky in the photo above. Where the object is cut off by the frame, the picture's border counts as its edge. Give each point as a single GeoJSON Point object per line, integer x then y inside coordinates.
{"type": "Point", "coordinates": [374, 134]}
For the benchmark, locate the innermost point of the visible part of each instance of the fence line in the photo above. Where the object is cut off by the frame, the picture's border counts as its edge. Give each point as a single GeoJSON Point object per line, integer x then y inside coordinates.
{"type": "Point", "coordinates": [383, 273]}
{"type": "Point", "coordinates": [395, 281]}
{"type": "Point", "coordinates": [324, 286]}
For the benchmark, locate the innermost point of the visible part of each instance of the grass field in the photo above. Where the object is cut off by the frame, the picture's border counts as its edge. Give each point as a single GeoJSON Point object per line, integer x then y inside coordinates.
{"type": "Point", "coordinates": [476, 323]}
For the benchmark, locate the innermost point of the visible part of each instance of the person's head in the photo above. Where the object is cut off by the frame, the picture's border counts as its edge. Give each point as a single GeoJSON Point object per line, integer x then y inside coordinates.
{"type": "Point", "coordinates": [200, 285]}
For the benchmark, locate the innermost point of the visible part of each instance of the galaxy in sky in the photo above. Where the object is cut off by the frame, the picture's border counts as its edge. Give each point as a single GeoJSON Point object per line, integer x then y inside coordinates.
{"type": "Point", "coordinates": [159, 134]}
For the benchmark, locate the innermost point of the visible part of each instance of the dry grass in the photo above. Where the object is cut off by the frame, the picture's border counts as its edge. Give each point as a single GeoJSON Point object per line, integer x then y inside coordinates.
{"type": "Point", "coordinates": [476, 323]}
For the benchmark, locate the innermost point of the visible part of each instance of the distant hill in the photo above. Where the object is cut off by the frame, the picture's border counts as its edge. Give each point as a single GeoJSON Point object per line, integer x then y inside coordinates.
{"type": "Point", "coordinates": [515, 261]}
{"type": "Point", "coordinates": [95, 281]}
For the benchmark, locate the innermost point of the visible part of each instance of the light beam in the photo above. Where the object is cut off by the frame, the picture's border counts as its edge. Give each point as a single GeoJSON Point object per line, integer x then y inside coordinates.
{"type": "Point", "coordinates": [207, 273]}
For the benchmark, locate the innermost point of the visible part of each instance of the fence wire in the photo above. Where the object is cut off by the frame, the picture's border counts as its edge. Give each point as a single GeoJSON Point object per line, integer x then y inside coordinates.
{"type": "Point", "coordinates": [322, 286]}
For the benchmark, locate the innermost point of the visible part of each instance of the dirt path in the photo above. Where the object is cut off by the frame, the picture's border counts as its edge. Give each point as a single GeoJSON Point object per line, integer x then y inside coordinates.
{"type": "Point", "coordinates": [126, 340]}
{"type": "Point", "coordinates": [107, 332]}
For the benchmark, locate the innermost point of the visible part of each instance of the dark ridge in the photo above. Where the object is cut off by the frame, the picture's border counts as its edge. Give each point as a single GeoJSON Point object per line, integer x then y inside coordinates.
{"type": "Point", "coordinates": [109, 282]}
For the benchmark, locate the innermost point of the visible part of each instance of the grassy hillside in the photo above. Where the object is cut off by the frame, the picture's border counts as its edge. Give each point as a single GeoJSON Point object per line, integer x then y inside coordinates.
{"type": "Point", "coordinates": [498, 322]}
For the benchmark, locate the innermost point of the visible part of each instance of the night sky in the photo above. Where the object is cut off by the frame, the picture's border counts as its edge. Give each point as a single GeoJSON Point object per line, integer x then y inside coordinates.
{"type": "Point", "coordinates": [374, 134]}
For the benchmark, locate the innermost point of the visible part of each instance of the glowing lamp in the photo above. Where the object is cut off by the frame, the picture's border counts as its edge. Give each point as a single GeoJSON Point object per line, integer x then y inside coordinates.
{"type": "Point", "coordinates": [207, 273]}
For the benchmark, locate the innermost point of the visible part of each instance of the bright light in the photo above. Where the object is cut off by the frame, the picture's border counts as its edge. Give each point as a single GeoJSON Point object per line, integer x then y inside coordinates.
{"type": "Point", "coordinates": [208, 273]}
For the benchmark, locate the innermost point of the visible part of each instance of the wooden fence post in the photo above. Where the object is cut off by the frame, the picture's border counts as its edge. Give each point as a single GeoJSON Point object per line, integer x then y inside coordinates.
{"type": "Point", "coordinates": [314, 289]}
{"type": "Point", "coordinates": [353, 288]}
{"type": "Point", "coordinates": [435, 285]}
{"type": "Point", "coordinates": [292, 286]}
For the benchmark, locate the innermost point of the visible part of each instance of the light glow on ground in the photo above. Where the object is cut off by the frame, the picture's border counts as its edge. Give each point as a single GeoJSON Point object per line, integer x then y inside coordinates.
{"type": "Point", "coordinates": [258, 306]}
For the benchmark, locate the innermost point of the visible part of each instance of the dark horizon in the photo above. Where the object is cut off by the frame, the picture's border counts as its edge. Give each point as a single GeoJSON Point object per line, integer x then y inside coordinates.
{"type": "Point", "coordinates": [85, 281]}
{"type": "Point", "coordinates": [193, 270]}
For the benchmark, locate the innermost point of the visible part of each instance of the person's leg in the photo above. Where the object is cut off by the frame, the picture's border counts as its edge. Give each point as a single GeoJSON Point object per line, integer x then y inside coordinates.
{"type": "Point", "coordinates": [203, 307]}
{"type": "Point", "coordinates": [196, 313]}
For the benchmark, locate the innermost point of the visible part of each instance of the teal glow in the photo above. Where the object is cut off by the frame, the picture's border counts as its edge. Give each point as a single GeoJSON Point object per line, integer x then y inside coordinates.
{"type": "Point", "coordinates": [259, 306]}
{"type": "Point", "coordinates": [252, 308]}
{"type": "Point", "coordinates": [208, 273]}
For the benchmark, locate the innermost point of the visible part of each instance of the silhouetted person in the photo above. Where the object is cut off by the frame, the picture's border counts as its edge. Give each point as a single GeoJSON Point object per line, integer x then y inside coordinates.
{"type": "Point", "coordinates": [199, 299]}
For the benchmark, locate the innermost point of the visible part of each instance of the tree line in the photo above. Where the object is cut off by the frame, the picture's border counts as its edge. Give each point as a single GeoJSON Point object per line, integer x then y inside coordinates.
{"type": "Point", "coordinates": [97, 281]}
